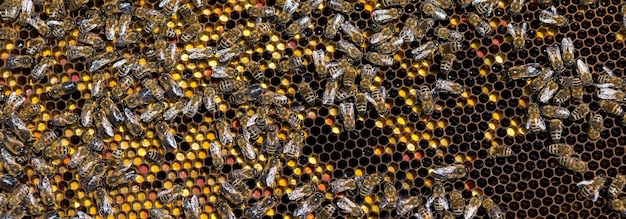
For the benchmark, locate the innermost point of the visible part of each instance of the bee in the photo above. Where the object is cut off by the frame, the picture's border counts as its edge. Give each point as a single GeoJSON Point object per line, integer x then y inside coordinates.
{"type": "Point", "coordinates": [552, 17]}
{"type": "Point", "coordinates": [482, 27]}
{"type": "Point", "coordinates": [192, 32]}
{"type": "Point", "coordinates": [449, 35]}
{"type": "Point", "coordinates": [128, 39]}
{"type": "Point", "coordinates": [263, 11]}
{"type": "Point", "coordinates": [319, 62]}
{"type": "Point", "coordinates": [306, 92]}
{"type": "Point", "coordinates": [382, 16]}
{"type": "Point", "coordinates": [101, 198]}
{"type": "Point", "coordinates": [229, 38]}
{"type": "Point", "coordinates": [224, 210]}
{"type": "Point", "coordinates": [78, 157]}
{"type": "Point", "coordinates": [293, 147]}
{"type": "Point", "coordinates": [367, 183]}
{"type": "Point", "coordinates": [223, 130]}
{"type": "Point", "coordinates": [612, 107]}
{"type": "Point", "coordinates": [154, 88]}
{"type": "Point", "coordinates": [228, 54]}
{"type": "Point", "coordinates": [93, 40]}
{"type": "Point", "coordinates": [447, 61]}
{"type": "Point", "coordinates": [132, 124]}
{"type": "Point", "coordinates": [623, 10]}
{"type": "Point", "coordinates": [326, 212]}
{"type": "Point", "coordinates": [272, 142]}
{"type": "Point", "coordinates": [560, 149]}
{"type": "Point", "coordinates": [455, 171]}
{"type": "Point", "coordinates": [484, 7]}
{"type": "Point", "coordinates": [57, 9]}
{"type": "Point", "coordinates": [45, 139]}
{"type": "Point", "coordinates": [380, 59]}
{"type": "Point", "coordinates": [576, 87]}
{"type": "Point", "coordinates": [350, 207]}
{"type": "Point", "coordinates": [247, 149]}
{"type": "Point", "coordinates": [19, 61]}
{"type": "Point", "coordinates": [350, 49]}
{"type": "Point", "coordinates": [303, 191]}
{"type": "Point", "coordinates": [568, 51]}
{"type": "Point", "coordinates": [500, 151]}
{"type": "Point", "coordinates": [59, 29]}
{"type": "Point", "coordinates": [591, 188]}
{"type": "Point", "coordinates": [368, 73]}
{"type": "Point", "coordinates": [380, 37]}
{"type": "Point", "coordinates": [421, 29]}
{"type": "Point", "coordinates": [449, 87]}
{"type": "Point", "coordinates": [86, 25]}
{"type": "Point", "coordinates": [230, 193]}
{"type": "Point", "coordinates": [9, 34]}
{"type": "Point", "coordinates": [352, 32]}
{"type": "Point", "coordinates": [15, 212]}
{"type": "Point", "coordinates": [393, 3]}
{"type": "Point", "coordinates": [555, 58]}
{"type": "Point", "coordinates": [39, 25]}
{"type": "Point", "coordinates": [155, 156]}
{"type": "Point", "coordinates": [347, 113]}
{"type": "Point", "coordinates": [472, 206]}
{"type": "Point", "coordinates": [406, 205]}
{"type": "Point", "coordinates": [309, 205]}
{"type": "Point", "coordinates": [153, 111]}
{"type": "Point", "coordinates": [595, 125]}
{"type": "Point", "coordinates": [434, 11]}
{"type": "Point", "coordinates": [56, 151]}
{"type": "Point", "coordinates": [337, 69]}
{"type": "Point", "coordinates": [171, 194]}
{"type": "Point", "coordinates": [425, 50]}
{"type": "Point", "coordinates": [297, 26]}
{"type": "Point", "coordinates": [230, 85]}
{"type": "Point", "coordinates": [192, 106]}
{"type": "Point", "coordinates": [516, 6]}
{"type": "Point", "coordinates": [390, 46]}
{"type": "Point", "coordinates": [361, 103]}
{"type": "Point", "coordinates": [116, 156]}
{"type": "Point", "coordinates": [340, 6]}
{"type": "Point", "coordinates": [187, 14]}
{"type": "Point", "coordinates": [583, 72]}
{"type": "Point", "coordinates": [209, 98]}
{"type": "Point", "coordinates": [562, 96]}
{"type": "Point", "coordinates": [518, 32]}
{"type": "Point", "coordinates": [342, 185]}
{"type": "Point", "coordinates": [58, 90]}
{"type": "Point", "coordinates": [19, 128]}
{"type": "Point", "coordinates": [260, 29]}
{"type": "Point", "coordinates": [12, 103]}
{"type": "Point", "coordinates": [123, 24]}
{"type": "Point", "coordinates": [438, 199]}
{"type": "Point", "coordinates": [270, 171]}
{"type": "Point", "coordinates": [34, 46]}
{"type": "Point", "coordinates": [18, 194]}
{"type": "Point", "coordinates": [243, 173]}
{"type": "Point", "coordinates": [556, 128]}
{"type": "Point", "coordinates": [87, 165]}
{"type": "Point", "coordinates": [99, 81]}
{"type": "Point", "coordinates": [535, 121]}
{"type": "Point", "coordinates": [493, 210]}
{"type": "Point", "coordinates": [291, 64]}
{"type": "Point", "coordinates": [616, 186]}
{"type": "Point", "coordinates": [346, 92]}
{"type": "Point", "coordinates": [609, 79]}
{"type": "Point", "coordinates": [157, 213]}
{"type": "Point", "coordinates": [271, 98]}
{"type": "Point", "coordinates": [8, 162]}
{"type": "Point", "coordinates": [13, 145]}
{"type": "Point", "coordinates": [618, 205]}
{"type": "Point", "coordinates": [389, 197]}
{"type": "Point", "coordinates": [99, 61]}
{"type": "Point", "coordinates": [377, 98]}
{"type": "Point", "coordinates": [216, 155]}
{"type": "Point", "coordinates": [167, 138]}
{"type": "Point", "coordinates": [524, 71]}
{"type": "Point", "coordinates": [121, 87]}
{"type": "Point", "coordinates": [555, 112]}
{"type": "Point", "coordinates": [307, 7]}
{"type": "Point", "coordinates": [255, 70]}
{"type": "Point", "coordinates": [260, 208]}
{"type": "Point", "coordinates": [76, 52]}
{"type": "Point", "coordinates": [457, 203]}
{"type": "Point", "coordinates": [573, 163]}
{"type": "Point", "coordinates": [42, 167]}
{"type": "Point", "coordinates": [74, 5]}
{"type": "Point", "coordinates": [450, 47]}
{"type": "Point", "coordinates": [170, 7]}
{"type": "Point", "coordinates": [191, 207]}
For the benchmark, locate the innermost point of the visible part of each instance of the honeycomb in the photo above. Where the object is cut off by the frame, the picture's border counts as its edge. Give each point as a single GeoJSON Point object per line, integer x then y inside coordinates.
{"type": "Point", "coordinates": [404, 145]}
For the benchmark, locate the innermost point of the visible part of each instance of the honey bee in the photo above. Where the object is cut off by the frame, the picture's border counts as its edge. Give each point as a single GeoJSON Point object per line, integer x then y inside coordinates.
{"type": "Point", "coordinates": [379, 59]}
{"type": "Point", "coordinates": [568, 51]}
{"type": "Point", "coordinates": [583, 72]}
{"type": "Point", "coordinates": [555, 112]}
{"type": "Point", "coordinates": [573, 163]}
{"type": "Point", "coordinates": [609, 79]}
{"type": "Point", "coordinates": [99, 81]}
{"type": "Point", "coordinates": [15, 212]}
{"type": "Point", "coordinates": [123, 24]}
{"type": "Point", "coordinates": [18, 194]}
{"type": "Point", "coordinates": [56, 151]}
{"type": "Point", "coordinates": [192, 32]}
{"type": "Point", "coordinates": [263, 11]}
{"type": "Point", "coordinates": [612, 107]}
{"type": "Point", "coordinates": [225, 55]}
{"type": "Point", "coordinates": [493, 210]}
{"type": "Point", "coordinates": [425, 50]}
{"type": "Point", "coordinates": [247, 149]}
{"type": "Point", "coordinates": [337, 69]}
{"type": "Point", "coordinates": [535, 121]}
{"type": "Point", "coordinates": [434, 11]}
{"type": "Point", "coordinates": [8, 162]}
{"type": "Point", "coordinates": [216, 155]}
{"type": "Point", "coordinates": [192, 106]}
{"type": "Point", "coordinates": [326, 212]}
{"type": "Point", "coordinates": [333, 26]}
{"type": "Point", "coordinates": [380, 37]}
{"type": "Point", "coordinates": [272, 142]}
{"type": "Point", "coordinates": [116, 156]}
{"type": "Point", "coordinates": [340, 6]}
{"type": "Point", "coordinates": [552, 17]}
{"type": "Point", "coordinates": [482, 27]}
{"type": "Point", "coordinates": [472, 206]}
{"type": "Point", "coordinates": [591, 188]}
{"type": "Point", "coordinates": [617, 204]}
{"type": "Point", "coordinates": [319, 62]}
{"type": "Point", "coordinates": [45, 139]}
{"type": "Point", "coordinates": [367, 183]}
{"type": "Point", "coordinates": [297, 26]}
{"type": "Point", "coordinates": [361, 103]}
{"type": "Point", "coordinates": [156, 156]}
{"type": "Point", "coordinates": [616, 186]}
{"type": "Point", "coordinates": [328, 97]}
{"type": "Point", "coordinates": [86, 25]}
{"type": "Point", "coordinates": [45, 189]}
{"type": "Point", "coordinates": [389, 197]}
{"type": "Point", "coordinates": [39, 25]}
{"type": "Point", "coordinates": [438, 199]}
{"type": "Point", "coordinates": [562, 95]}
{"type": "Point", "coordinates": [382, 16]}
{"type": "Point", "coordinates": [171, 194]}
{"type": "Point", "coordinates": [230, 85]}
{"type": "Point", "coordinates": [229, 38]}
{"type": "Point", "coordinates": [447, 61]}
{"type": "Point", "coordinates": [78, 157]}
{"type": "Point", "coordinates": [518, 32]}
{"type": "Point", "coordinates": [445, 86]}
{"type": "Point", "coordinates": [34, 46]}
{"type": "Point", "coordinates": [57, 9]}
{"type": "Point", "coordinates": [8, 34]}
{"type": "Point", "coordinates": [87, 165]}
{"type": "Point", "coordinates": [352, 32]}
{"type": "Point", "coordinates": [595, 125]}
{"type": "Point", "coordinates": [42, 167]}
{"type": "Point", "coordinates": [484, 7]}
{"type": "Point", "coordinates": [347, 113]}
{"type": "Point", "coordinates": [99, 61]}
{"type": "Point", "coordinates": [342, 185]}
{"type": "Point", "coordinates": [175, 110]}
{"type": "Point", "coordinates": [93, 40]}
{"type": "Point", "coordinates": [121, 87]}
{"type": "Point", "coordinates": [191, 207]}
{"type": "Point", "coordinates": [19, 61]}
{"type": "Point", "coordinates": [12, 144]}
{"type": "Point", "coordinates": [230, 193]}
{"type": "Point", "coordinates": [305, 91]}
{"type": "Point", "coordinates": [576, 87]}
{"type": "Point", "coordinates": [556, 128]}
{"type": "Point", "coordinates": [202, 53]}
{"type": "Point", "coordinates": [152, 111]}
{"type": "Point", "coordinates": [449, 35]}
{"type": "Point", "coordinates": [516, 6]}
{"type": "Point", "coordinates": [500, 151]}
{"type": "Point", "coordinates": [270, 171]}
{"type": "Point", "coordinates": [157, 213]}
{"type": "Point", "coordinates": [391, 46]}
{"type": "Point", "coordinates": [309, 205]}
{"type": "Point", "coordinates": [58, 90]}
{"type": "Point", "coordinates": [555, 58]}
{"type": "Point", "coordinates": [28, 111]}
{"type": "Point", "coordinates": [377, 97]}
{"type": "Point", "coordinates": [264, 28]}
{"type": "Point", "coordinates": [260, 208]}
{"type": "Point", "coordinates": [128, 39]}
{"type": "Point", "coordinates": [406, 205]}
{"type": "Point", "coordinates": [524, 71]}
{"type": "Point", "coordinates": [350, 207]}
{"type": "Point", "coordinates": [560, 149]}
{"type": "Point", "coordinates": [293, 147]}
{"type": "Point", "coordinates": [59, 29]}
{"type": "Point", "coordinates": [455, 171]}
{"type": "Point", "coordinates": [224, 210]}
{"type": "Point", "coordinates": [350, 49]}
{"type": "Point", "coordinates": [623, 10]}
{"type": "Point", "coordinates": [132, 124]}
{"type": "Point", "coordinates": [223, 130]}
{"type": "Point", "coordinates": [101, 198]}
{"type": "Point", "coordinates": [19, 128]}
{"type": "Point", "coordinates": [368, 73]}
{"type": "Point", "coordinates": [76, 52]}
{"type": "Point", "coordinates": [457, 203]}
{"type": "Point", "coordinates": [167, 138]}
{"type": "Point", "coordinates": [450, 47]}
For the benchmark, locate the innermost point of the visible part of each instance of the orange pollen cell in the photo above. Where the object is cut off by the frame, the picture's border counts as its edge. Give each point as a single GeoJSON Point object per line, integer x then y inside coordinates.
{"type": "Point", "coordinates": [419, 155]}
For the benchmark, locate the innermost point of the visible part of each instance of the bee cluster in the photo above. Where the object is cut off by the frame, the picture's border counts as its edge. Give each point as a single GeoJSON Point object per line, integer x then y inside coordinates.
{"type": "Point", "coordinates": [311, 108]}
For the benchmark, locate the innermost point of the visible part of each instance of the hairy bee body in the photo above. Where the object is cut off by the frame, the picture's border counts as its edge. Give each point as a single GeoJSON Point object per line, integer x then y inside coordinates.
{"type": "Point", "coordinates": [591, 188]}
{"type": "Point", "coordinates": [556, 128]}
{"type": "Point", "coordinates": [573, 163]}
{"type": "Point", "coordinates": [450, 172]}
{"type": "Point", "coordinates": [493, 210]}
{"type": "Point", "coordinates": [405, 205]}
{"type": "Point", "coordinates": [615, 189]}
{"type": "Point", "coordinates": [457, 203]}
{"type": "Point", "coordinates": [390, 197]}
{"type": "Point", "coordinates": [500, 151]}
{"type": "Point", "coordinates": [552, 17]}
{"type": "Point", "coordinates": [612, 107]}
{"type": "Point", "coordinates": [482, 27]}
{"type": "Point", "coordinates": [171, 194]}
{"type": "Point", "coordinates": [535, 121]}
{"type": "Point", "coordinates": [350, 207]}
{"type": "Point", "coordinates": [309, 205]}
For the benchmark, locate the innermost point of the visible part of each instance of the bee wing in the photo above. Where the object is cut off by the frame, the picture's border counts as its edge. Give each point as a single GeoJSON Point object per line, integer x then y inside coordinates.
{"type": "Point", "coordinates": [607, 93]}
{"type": "Point", "coordinates": [608, 71]}
{"type": "Point", "coordinates": [582, 67]}
{"type": "Point", "coordinates": [596, 195]}
{"type": "Point", "coordinates": [584, 183]}
{"type": "Point", "coordinates": [27, 6]}
{"type": "Point", "coordinates": [369, 98]}
{"type": "Point", "coordinates": [553, 53]}
{"type": "Point", "coordinates": [55, 23]}
{"type": "Point", "coordinates": [162, 3]}
{"type": "Point", "coordinates": [547, 17]}
{"type": "Point", "coordinates": [567, 45]}
{"type": "Point", "coordinates": [603, 86]}
{"type": "Point", "coordinates": [290, 6]}
{"type": "Point", "coordinates": [512, 30]}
